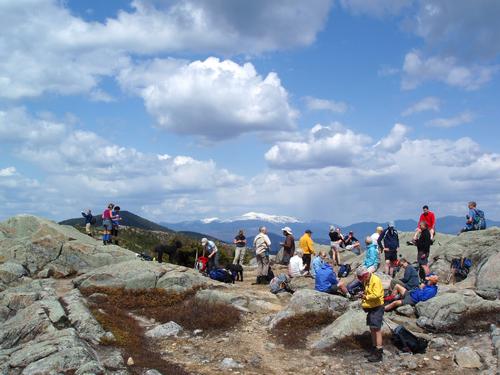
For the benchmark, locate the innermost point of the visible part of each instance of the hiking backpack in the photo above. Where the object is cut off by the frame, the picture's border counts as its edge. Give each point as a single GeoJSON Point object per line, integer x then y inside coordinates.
{"type": "Point", "coordinates": [221, 275]}
{"type": "Point", "coordinates": [355, 287]}
{"type": "Point", "coordinates": [461, 268]}
{"type": "Point", "coordinates": [344, 270]}
{"type": "Point", "coordinates": [480, 220]}
{"type": "Point", "coordinates": [279, 284]}
{"type": "Point", "coordinates": [93, 221]}
{"type": "Point", "coordinates": [407, 342]}
{"type": "Point", "coordinates": [201, 264]}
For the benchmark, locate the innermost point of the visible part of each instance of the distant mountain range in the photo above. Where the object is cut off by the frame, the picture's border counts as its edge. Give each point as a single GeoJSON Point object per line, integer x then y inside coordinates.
{"type": "Point", "coordinates": [250, 223]}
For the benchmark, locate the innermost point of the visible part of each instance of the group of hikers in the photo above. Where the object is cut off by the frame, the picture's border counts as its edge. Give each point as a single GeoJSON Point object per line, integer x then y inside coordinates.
{"type": "Point", "coordinates": [418, 283]}
{"type": "Point", "coordinates": [110, 222]}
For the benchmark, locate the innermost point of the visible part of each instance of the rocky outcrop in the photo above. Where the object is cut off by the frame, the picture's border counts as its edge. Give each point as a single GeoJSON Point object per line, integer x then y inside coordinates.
{"type": "Point", "coordinates": [455, 310]}
{"type": "Point", "coordinates": [310, 301]}
{"type": "Point", "coordinates": [43, 248]}
{"type": "Point", "coordinates": [350, 326]}
{"type": "Point", "coordinates": [138, 274]}
{"type": "Point", "coordinates": [243, 301]}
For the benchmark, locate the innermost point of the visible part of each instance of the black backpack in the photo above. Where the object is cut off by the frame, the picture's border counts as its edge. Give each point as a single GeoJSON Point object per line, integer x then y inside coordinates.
{"type": "Point", "coordinates": [407, 342]}
{"type": "Point", "coordinates": [93, 221]}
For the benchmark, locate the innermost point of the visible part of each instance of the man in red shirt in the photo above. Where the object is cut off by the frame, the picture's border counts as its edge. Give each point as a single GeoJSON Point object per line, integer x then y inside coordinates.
{"type": "Point", "coordinates": [429, 217]}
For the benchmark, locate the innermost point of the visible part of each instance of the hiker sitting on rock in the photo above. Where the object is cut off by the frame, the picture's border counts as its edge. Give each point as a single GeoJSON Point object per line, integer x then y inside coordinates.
{"type": "Point", "coordinates": [327, 282]}
{"type": "Point", "coordinates": [297, 268]}
{"type": "Point", "coordinates": [373, 304]}
{"type": "Point", "coordinates": [318, 262]}
{"type": "Point", "coordinates": [410, 279]}
{"type": "Point", "coordinates": [352, 243]}
{"type": "Point", "coordinates": [430, 219]}
{"type": "Point", "coordinates": [371, 261]}
{"type": "Point", "coordinates": [412, 297]}
{"type": "Point", "coordinates": [475, 219]}
{"type": "Point", "coordinates": [210, 249]}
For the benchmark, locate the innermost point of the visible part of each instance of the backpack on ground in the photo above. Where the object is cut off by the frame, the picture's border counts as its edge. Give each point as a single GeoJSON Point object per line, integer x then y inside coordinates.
{"type": "Point", "coordinates": [407, 342]}
{"type": "Point", "coordinates": [479, 220]}
{"type": "Point", "coordinates": [143, 256]}
{"type": "Point", "coordinates": [344, 270]}
{"type": "Point", "coordinates": [221, 275]}
{"type": "Point", "coordinates": [462, 268]}
{"type": "Point", "coordinates": [280, 284]}
{"type": "Point", "coordinates": [201, 264]}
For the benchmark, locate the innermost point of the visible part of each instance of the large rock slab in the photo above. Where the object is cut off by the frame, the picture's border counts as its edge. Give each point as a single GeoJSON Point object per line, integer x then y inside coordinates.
{"type": "Point", "coordinates": [138, 274]}
{"type": "Point", "coordinates": [456, 310]}
{"type": "Point", "coordinates": [245, 301]}
{"type": "Point", "coordinates": [38, 244]}
{"type": "Point", "coordinates": [350, 326]}
{"type": "Point", "coordinates": [489, 275]}
{"type": "Point", "coordinates": [311, 301]}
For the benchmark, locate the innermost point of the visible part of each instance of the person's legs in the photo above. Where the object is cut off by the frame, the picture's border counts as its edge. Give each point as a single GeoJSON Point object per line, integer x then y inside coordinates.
{"type": "Point", "coordinates": [399, 289]}
{"type": "Point", "coordinates": [387, 266]}
{"type": "Point", "coordinates": [87, 229]}
{"type": "Point", "coordinates": [265, 265]}
{"type": "Point", "coordinates": [260, 264]}
{"type": "Point", "coordinates": [306, 258]}
{"type": "Point", "coordinates": [243, 251]}
{"type": "Point", "coordinates": [375, 320]}
{"type": "Point", "coordinates": [393, 305]}
{"type": "Point", "coordinates": [336, 255]}
{"type": "Point", "coordinates": [342, 287]}
{"type": "Point", "coordinates": [237, 254]}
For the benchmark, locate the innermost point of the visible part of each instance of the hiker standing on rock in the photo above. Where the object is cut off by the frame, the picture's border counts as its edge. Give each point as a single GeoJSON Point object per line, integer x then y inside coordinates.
{"type": "Point", "coordinates": [107, 217]}
{"type": "Point", "coordinates": [239, 253]}
{"type": "Point", "coordinates": [115, 221]}
{"type": "Point", "coordinates": [89, 221]}
{"type": "Point", "coordinates": [336, 240]}
{"type": "Point", "coordinates": [424, 243]}
{"type": "Point", "coordinates": [212, 253]}
{"type": "Point", "coordinates": [262, 245]}
{"type": "Point", "coordinates": [373, 304]}
{"type": "Point", "coordinates": [389, 243]}
{"type": "Point", "coordinates": [307, 246]}
{"type": "Point", "coordinates": [288, 245]}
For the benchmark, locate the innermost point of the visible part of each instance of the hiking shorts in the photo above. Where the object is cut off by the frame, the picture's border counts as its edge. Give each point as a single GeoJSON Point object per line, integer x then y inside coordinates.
{"type": "Point", "coordinates": [333, 289]}
{"type": "Point", "coordinates": [391, 255]}
{"type": "Point", "coordinates": [423, 258]}
{"type": "Point", "coordinates": [106, 223]}
{"type": "Point", "coordinates": [407, 300]}
{"type": "Point", "coordinates": [375, 317]}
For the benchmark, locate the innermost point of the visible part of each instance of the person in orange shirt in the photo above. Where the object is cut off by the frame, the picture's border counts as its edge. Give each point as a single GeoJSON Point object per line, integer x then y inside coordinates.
{"type": "Point", "coordinates": [307, 246]}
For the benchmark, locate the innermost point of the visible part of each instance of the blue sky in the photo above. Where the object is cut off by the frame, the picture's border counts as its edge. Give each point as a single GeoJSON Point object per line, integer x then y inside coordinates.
{"type": "Point", "coordinates": [343, 110]}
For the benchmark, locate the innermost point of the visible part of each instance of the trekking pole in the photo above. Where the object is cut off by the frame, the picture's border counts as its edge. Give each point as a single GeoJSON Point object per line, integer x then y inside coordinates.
{"type": "Point", "coordinates": [388, 325]}
{"type": "Point", "coordinates": [196, 259]}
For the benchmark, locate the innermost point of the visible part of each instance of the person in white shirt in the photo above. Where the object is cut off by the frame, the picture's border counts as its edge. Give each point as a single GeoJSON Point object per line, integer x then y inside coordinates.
{"type": "Point", "coordinates": [376, 235]}
{"type": "Point", "coordinates": [296, 267]}
{"type": "Point", "coordinates": [262, 244]}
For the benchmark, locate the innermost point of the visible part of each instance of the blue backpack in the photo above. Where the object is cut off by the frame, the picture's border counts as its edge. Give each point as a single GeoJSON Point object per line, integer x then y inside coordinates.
{"type": "Point", "coordinates": [479, 220]}
{"type": "Point", "coordinates": [221, 275]}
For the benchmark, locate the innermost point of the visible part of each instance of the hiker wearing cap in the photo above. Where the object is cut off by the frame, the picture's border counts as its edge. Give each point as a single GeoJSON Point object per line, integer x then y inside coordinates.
{"type": "Point", "coordinates": [296, 267]}
{"type": "Point", "coordinates": [423, 243]}
{"type": "Point", "coordinates": [87, 215]}
{"type": "Point", "coordinates": [429, 218]}
{"type": "Point", "coordinates": [326, 281]}
{"type": "Point", "coordinates": [389, 243]}
{"type": "Point", "coordinates": [373, 304]}
{"type": "Point", "coordinates": [307, 246]}
{"type": "Point", "coordinates": [336, 240]}
{"type": "Point", "coordinates": [212, 253]}
{"type": "Point", "coordinates": [371, 261]}
{"type": "Point", "coordinates": [376, 235]}
{"type": "Point", "coordinates": [288, 245]}
{"type": "Point", "coordinates": [423, 293]}
{"type": "Point", "coordinates": [240, 242]}
{"type": "Point", "coordinates": [352, 243]}
{"type": "Point", "coordinates": [262, 245]}
{"type": "Point", "coordinates": [410, 279]}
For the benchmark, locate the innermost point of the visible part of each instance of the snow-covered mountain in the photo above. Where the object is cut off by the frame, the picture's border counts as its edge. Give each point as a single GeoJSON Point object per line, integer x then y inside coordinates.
{"type": "Point", "coordinates": [275, 219]}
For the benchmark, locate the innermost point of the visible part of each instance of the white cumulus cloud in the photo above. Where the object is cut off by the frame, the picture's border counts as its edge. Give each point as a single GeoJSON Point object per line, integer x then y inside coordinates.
{"type": "Point", "coordinates": [451, 122]}
{"type": "Point", "coordinates": [213, 99]}
{"type": "Point", "coordinates": [429, 103]}
{"type": "Point", "coordinates": [317, 104]}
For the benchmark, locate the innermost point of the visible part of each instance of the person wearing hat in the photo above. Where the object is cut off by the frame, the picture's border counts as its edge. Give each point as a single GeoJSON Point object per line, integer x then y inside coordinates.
{"type": "Point", "coordinates": [210, 249]}
{"type": "Point", "coordinates": [307, 246]}
{"type": "Point", "coordinates": [388, 242]}
{"type": "Point", "coordinates": [423, 293]}
{"type": "Point", "coordinates": [376, 235]}
{"type": "Point", "coordinates": [373, 304]}
{"type": "Point", "coordinates": [288, 245]}
{"type": "Point", "coordinates": [336, 240]}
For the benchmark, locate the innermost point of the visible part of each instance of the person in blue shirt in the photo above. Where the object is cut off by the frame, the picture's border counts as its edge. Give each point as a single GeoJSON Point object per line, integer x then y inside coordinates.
{"type": "Point", "coordinates": [326, 281]}
{"type": "Point", "coordinates": [318, 262]}
{"type": "Point", "coordinates": [471, 217]}
{"type": "Point", "coordinates": [371, 261]}
{"type": "Point", "coordinates": [423, 293]}
{"type": "Point", "coordinates": [88, 221]}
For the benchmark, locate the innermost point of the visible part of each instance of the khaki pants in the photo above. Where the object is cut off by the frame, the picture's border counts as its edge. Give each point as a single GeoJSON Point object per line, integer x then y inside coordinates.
{"type": "Point", "coordinates": [239, 255]}
{"type": "Point", "coordinates": [88, 228]}
{"type": "Point", "coordinates": [262, 264]}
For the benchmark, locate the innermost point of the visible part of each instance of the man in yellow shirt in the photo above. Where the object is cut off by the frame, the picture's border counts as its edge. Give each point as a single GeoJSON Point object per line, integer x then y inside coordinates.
{"type": "Point", "coordinates": [373, 304]}
{"type": "Point", "coordinates": [307, 246]}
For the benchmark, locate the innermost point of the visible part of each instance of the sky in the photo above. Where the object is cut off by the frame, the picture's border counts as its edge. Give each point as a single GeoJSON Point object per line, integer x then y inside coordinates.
{"type": "Point", "coordinates": [339, 110]}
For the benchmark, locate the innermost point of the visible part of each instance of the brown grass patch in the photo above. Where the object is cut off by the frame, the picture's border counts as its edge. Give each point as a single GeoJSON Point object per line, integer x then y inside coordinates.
{"type": "Point", "coordinates": [359, 342]}
{"type": "Point", "coordinates": [114, 315]}
{"type": "Point", "coordinates": [292, 332]}
{"type": "Point", "coordinates": [473, 322]}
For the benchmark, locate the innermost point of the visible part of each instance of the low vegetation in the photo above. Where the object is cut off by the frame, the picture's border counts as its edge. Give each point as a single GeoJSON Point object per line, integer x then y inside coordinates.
{"type": "Point", "coordinates": [115, 313]}
{"type": "Point", "coordinates": [292, 332]}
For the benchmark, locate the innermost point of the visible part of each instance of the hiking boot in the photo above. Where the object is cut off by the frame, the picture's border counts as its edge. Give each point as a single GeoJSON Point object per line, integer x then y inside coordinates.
{"type": "Point", "coordinates": [370, 353]}
{"type": "Point", "coordinates": [377, 356]}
